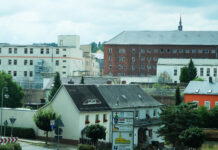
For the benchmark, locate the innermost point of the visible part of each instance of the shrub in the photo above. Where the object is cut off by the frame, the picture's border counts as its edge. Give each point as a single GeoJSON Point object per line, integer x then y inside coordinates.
{"type": "Point", "coordinates": [85, 147]}
{"type": "Point", "coordinates": [27, 133]}
{"type": "Point", "coordinates": [11, 146]}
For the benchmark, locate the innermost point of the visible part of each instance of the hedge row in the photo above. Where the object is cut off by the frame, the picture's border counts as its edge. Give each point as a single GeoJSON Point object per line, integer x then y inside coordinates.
{"type": "Point", "coordinates": [11, 146]}
{"type": "Point", "coordinates": [27, 133]}
{"type": "Point", "coordinates": [85, 147]}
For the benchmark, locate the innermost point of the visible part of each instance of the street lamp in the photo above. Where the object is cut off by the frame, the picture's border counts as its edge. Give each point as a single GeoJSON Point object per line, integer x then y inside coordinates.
{"type": "Point", "coordinates": [6, 96]}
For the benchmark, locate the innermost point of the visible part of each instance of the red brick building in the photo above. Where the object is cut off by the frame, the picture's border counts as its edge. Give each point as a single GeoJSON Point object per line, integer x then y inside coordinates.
{"type": "Point", "coordinates": [203, 93]}
{"type": "Point", "coordinates": [135, 53]}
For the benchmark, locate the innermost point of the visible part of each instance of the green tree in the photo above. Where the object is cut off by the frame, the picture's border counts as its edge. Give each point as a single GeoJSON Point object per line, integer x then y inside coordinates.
{"type": "Point", "coordinates": [192, 137]}
{"type": "Point", "coordinates": [177, 97]}
{"type": "Point", "coordinates": [15, 91]}
{"type": "Point", "coordinates": [213, 117]}
{"type": "Point", "coordinates": [184, 76]}
{"type": "Point", "coordinates": [174, 120]}
{"type": "Point", "coordinates": [96, 132]}
{"type": "Point", "coordinates": [57, 84]}
{"type": "Point", "coordinates": [82, 80]}
{"type": "Point", "coordinates": [192, 70]}
{"type": "Point", "coordinates": [94, 47]}
{"type": "Point", "coordinates": [198, 79]}
{"type": "Point", "coordinates": [204, 117]}
{"type": "Point", "coordinates": [42, 120]}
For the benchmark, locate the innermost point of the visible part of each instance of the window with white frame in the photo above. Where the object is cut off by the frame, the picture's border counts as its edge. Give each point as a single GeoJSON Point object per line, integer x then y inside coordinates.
{"type": "Point", "coordinates": [175, 72]}
{"type": "Point", "coordinates": [196, 102]}
{"type": "Point", "coordinates": [201, 71]}
{"type": "Point", "coordinates": [214, 72]}
{"type": "Point", "coordinates": [216, 103]}
{"type": "Point", "coordinates": [110, 50]}
{"type": "Point", "coordinates": [207, 104]}
{"type": "Point", "coordinates": [208, 72]}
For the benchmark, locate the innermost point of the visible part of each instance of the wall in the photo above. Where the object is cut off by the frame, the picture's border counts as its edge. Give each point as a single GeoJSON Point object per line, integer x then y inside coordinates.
{"type": "Point", "coordinates": [33, 95]}
{"type": "Point", "coordinates": [152, 55]}
{"type": "Point", "coordinates": [69, 40]}
{"type": "Point", "coordinates": [129, 80]}
{"type": "Point", "coordinates": [201, 99]}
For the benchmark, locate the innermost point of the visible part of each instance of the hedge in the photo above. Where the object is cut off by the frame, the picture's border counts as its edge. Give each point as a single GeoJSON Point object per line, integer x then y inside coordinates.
{"type": "Point", "coordinates": [85, 147]}
{"type": "Point", "coordinates": [11, 146]}
{"type": "Point", "coordinates": [27, 133]}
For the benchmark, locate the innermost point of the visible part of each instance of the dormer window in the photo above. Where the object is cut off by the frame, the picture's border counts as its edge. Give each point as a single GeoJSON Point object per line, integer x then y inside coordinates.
{"type": "Point", "coordinates": [91, 101]}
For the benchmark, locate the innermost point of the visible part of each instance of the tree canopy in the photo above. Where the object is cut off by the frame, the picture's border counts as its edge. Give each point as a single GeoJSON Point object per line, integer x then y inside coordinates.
{"type": "Point", "coordinates": [177, 98]}
{"type": "Point", "coordinates": [184, 76]}
{"type": "Point", "coordinates": [175, 119]}
{"type": "Point", "coordinates": [15, 91]}
{"type": "Point", "coordinates": [188, 73]}
{"type": "Point", "coordinates": [57, 84]}
{"type": "Point", "coordinates": [192, 70]}
{"type": "Point", "coordinates": [96, 132]}
{"type": "Point", "coordinates": [42, 120]}
{"type": "Point", "coordinates": [95, 46]}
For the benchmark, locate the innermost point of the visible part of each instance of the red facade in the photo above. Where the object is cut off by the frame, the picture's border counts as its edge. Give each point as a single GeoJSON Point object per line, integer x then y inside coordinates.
{"type": "Point", "coordinates": [141, 60]}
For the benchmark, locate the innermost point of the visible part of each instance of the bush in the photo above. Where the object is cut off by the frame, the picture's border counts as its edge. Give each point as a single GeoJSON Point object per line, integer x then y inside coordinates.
{"type": "Point", "coordinates": [85, 147]}
{"type": "Point", "coordinates": [27, 133]}
{"type": "Point", "coordinates": [11, 146]}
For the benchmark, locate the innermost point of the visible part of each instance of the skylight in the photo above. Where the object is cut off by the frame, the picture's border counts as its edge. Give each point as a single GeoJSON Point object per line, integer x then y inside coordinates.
{"type": "Point", "coordinates": [91, 101]}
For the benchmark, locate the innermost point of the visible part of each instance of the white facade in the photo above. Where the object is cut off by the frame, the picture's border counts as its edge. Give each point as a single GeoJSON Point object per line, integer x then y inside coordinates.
{"type": "Point", "coordinates": [28, 63]}
{"type": "Point", "coordinates": [172, 67]}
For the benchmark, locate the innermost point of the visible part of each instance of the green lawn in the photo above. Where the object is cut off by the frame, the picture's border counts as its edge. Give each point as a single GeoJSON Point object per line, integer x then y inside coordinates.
{"type": "Point", "coordinates": [210, 145]}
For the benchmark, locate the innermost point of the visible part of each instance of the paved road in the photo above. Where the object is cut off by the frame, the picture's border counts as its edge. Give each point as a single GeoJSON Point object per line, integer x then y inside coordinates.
{"type": "Point", "coordinates": [29, 146]}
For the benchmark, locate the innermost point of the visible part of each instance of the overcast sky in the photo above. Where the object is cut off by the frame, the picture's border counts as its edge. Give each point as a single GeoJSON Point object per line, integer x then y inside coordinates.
{"type": "Point", "coordinates": [34, 21]}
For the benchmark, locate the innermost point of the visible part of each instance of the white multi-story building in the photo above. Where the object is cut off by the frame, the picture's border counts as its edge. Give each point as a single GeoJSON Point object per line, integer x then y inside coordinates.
{"type": "Point", "coordinates": [28, 64]}
{"type": "Point", "coordinates": [170, 69]}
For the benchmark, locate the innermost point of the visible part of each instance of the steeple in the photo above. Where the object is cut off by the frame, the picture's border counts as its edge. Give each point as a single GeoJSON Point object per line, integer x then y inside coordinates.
{"type": "Point", "coordinates": [180, 24]}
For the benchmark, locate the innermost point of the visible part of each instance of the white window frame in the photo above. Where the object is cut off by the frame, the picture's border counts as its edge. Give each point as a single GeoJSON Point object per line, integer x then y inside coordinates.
{"type": "Point", "coordinates": [206, 104]}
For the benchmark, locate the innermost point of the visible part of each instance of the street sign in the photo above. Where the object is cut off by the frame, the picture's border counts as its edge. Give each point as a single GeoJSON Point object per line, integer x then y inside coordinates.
{"type": "Point", "coordinates": [8, 140]}
{"type": "Point", "coordinates": [58, 131]}
{"type": "Point", "coordinates": [52, 123]}
{"type": "Point", "coordinates": [12, 120]}
{"type": "Point", "coordinates": [59, 123]}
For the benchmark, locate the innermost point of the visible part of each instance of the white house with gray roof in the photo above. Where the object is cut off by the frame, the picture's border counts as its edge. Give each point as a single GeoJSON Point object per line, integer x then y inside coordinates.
{"type": "Point", "coordinates": [172, 67]}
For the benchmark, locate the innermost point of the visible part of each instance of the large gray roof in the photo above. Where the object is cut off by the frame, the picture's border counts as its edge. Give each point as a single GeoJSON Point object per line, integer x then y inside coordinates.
{"type": "Point", "coordinates": [126, 96]}
{"type": "Point", "coordinates": [165, 38]}
{"type": "Point", "coordinates": [202, 87]}
{"type": "Point", "coordinates": [185, 61]}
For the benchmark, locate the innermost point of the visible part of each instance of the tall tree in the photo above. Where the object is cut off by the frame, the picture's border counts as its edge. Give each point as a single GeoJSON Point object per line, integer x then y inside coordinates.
{"type": "Point", "coordinates": [177, 97]}
{"type": "Point", "coordinates": [94, 47]}
{"type": "Point", "coordinates": [184, 76]}
{"type": "Point", "coordinates": [174, 120]}
{"type": "Point", "coordinates": [192, 70]}
{"type": "Point", "coordinates": [57, 84]}
{"type": "Point", "coordinates": [82, 80]}
{"type": "Point", "coordinates": [42, 120]}
{"type": "Point", "coordinates": [14, 91]}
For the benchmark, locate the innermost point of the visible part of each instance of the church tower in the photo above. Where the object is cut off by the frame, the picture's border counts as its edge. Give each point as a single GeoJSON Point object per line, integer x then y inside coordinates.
{"type": "Point", "coordinates": [180, 24]}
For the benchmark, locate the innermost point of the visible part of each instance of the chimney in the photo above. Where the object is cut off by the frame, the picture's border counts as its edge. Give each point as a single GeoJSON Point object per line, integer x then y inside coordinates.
{"type": "Point", "coordinates": [210, 80]}
{"type": "Point", "coordinates": [109, 82]}
{"type": "Point", "coordinates": [123, 82]}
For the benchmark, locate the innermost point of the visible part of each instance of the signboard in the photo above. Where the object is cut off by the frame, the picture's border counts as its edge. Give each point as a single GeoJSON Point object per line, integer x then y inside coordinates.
{"type": "Point", "coordinates": [123, 131]}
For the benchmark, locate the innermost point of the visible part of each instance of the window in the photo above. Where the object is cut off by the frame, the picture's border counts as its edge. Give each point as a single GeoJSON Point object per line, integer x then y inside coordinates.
{"type": "Point", "coordinates": [213, 51]}
{"type": "Point", "coordinates": [155, 112]}
{"type": "Point", "coordinates": [193, 51]}
{"type": "Point", "coordinates": [155, 58]}
{"type": "Point", "coordinates": [133, 67]}
{"type": "Point", "coordinates": [142, 50]}
{"type": "Point", "coordinates": [0, 50]}
{"type": "Point", "coordinates": [187, 51]}
{"type": "Point", "coordinates": [150, 133]}
{"type": "Point", "coordinates": [10, 50]}
{"type": "Point", "coordinates": [87, 117]}
{"type": "Point", "coordinates": [154, 67]}
{"type": "Point", "coordinates": [149, 58]}
{"type": "Point", "coordinates": [15, 50]}
{"type": "Point", "coordinates": [120, 58]}
{"type": "Point", "coordinates": [180, 50]}
{"type": "Point", "coordinates": [142, 58]}
{"type": "Point", "coordinates": [25, 73]}
{"type": "Point", "coordinates": [206, 51]}
{"type": "Point", "coordinates": [168, 50]}
{"type": "Point", "coordinates": [42, 51]}
{"type": "Point", "coordinates": [174, 51]}
{"type": "Point", "coordinates": [47, 51]}
{"type": "Point", "coordinates": [25, 62]}
{"type": "Point", "coordinates": [15, 73]}
{"type": "Point", "coordinates": [63, 72]}
{"type": "Point", "coordinates": [133, 59]}
{"type": "Point", "coordinates": [120, 66]}
{"type": "Point", "coordinates": [216, 103]}
{"type": "Point", "coordinates": [64, 49]}
{"type": "Point", "coordinates": [200, 51]}
{"type": "Point", "coordinates": [0, 61]}
{"type": "Point", "coordinates": [104, 117]}
{"type": "Point", "coordinates": [162, 50]}
{"type": "Point", "coordinates": [9, 62]}
{"type": "Point", "coordinates": [110, 50]}
{"type": "Point", "coordinates": [31, 62]}
{"type": "Point", "coordinates": [155, 50]}
{"type": "Point", "coordinates": [133, 51]}
{"type": "Point", "coordinates": [57, 62]}
{"type": "Point", "coordinates": [207, 104]}
{"type": "Point", "coordinates": [9, 72]}
{"type": "Point", "coordinates": [57, 51]}
{"type": "Point", "coordinates": [96, 117]}
{"type": "Point", "coordinates": [136, 114]}
{"type": "Point", "coordinates": [25, 50]}
{"type": "Point", "coordinates": [149, 50]}
{"type": "Point", "coordinates": [142, 66]}
{"type": "Point", "coordinates": [109, 58]}
{"type": "Point", "coordinates": [208, 72]}
{"type": "Point", "coordinates": [122, 50]}
{"type": "Point", "coordinates": [64, 61]}
{"type": "Point", "coordinates": [214, 72]}
{"type": "Point", "coordinates": [31, 50]}
{"type": "Point", "coordinates": [123, 58]}
{"type": "Point", "coordinates": [149, 66]}
{"type": "Point", "coordinates": [64, 66]}
{"type": "Point", "coordinates": [201, 71]}
{"type": "Point", "coordinates": [110, 67]}
{"type": "Point", "coordinates": [31, 73]}
{"type": "Point", "coordinates": [64, 55]}
{"type": "Point", "coordinates": [175, 72]}
{"type": "Point", "coordinates": [15, 62]}
{"type": "Point", "coordinates": [196, 102]}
